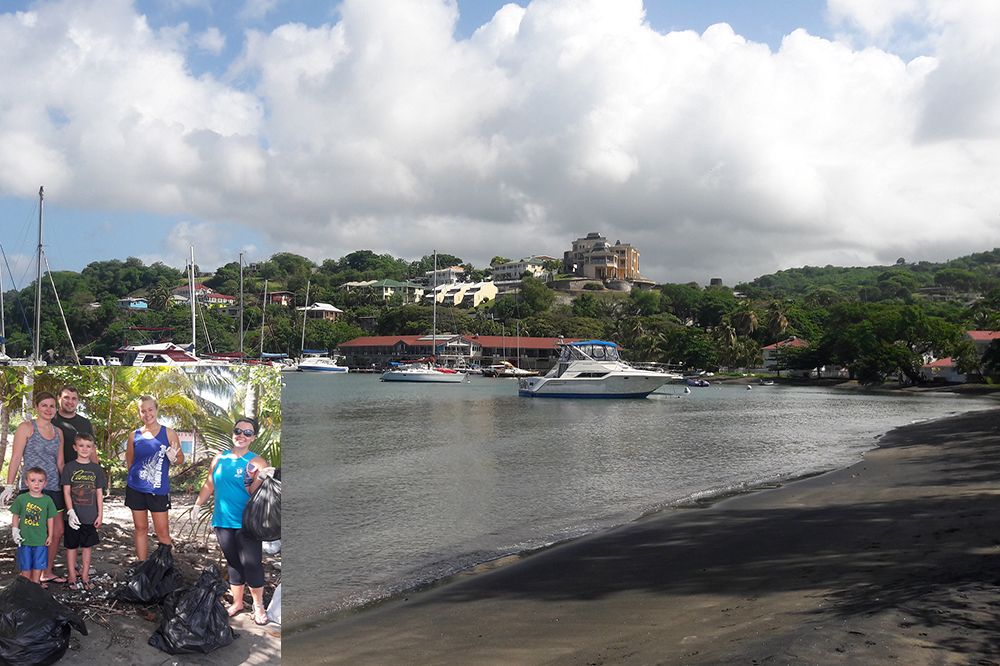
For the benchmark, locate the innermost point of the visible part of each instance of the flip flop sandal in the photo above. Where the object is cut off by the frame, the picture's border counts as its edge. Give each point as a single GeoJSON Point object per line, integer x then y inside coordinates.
{"type": "Point", "coordinates": [258, 614]}
{"type": "Point", "coordinates": [234, 613]}
{"type": "Point", "coordinates": [54, 579]}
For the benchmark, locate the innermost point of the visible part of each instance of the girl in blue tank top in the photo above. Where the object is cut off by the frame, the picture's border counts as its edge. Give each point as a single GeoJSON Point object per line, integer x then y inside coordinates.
{"type": "Point", "coordinates": [231, 495]}
{"type": "Point", "coordinates": [149, 453]}
{"type": "Point", "coordinates": [235, 475]}
{"type": "Point", "coordinates": [149, 472]}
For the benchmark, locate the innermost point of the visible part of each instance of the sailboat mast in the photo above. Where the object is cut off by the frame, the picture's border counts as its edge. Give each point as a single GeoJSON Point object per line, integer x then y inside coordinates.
{"type": "Point", "coordinates": [38, 278]}
{"type": "Point", "coordinates": [191, 294]}
{"type": "Point", "coordinates": [3, 329]}
{"type": "Point", "coordinates": [263, 311]}
{"type": "Point", "coordinates": [305, 311]}
{"type": "Point", "coordinates": [241, 305]}
{"type": "Point", "coordinates": [434, 308]}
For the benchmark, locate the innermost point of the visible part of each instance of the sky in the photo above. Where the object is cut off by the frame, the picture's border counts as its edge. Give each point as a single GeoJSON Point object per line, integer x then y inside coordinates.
{"type": "Point", "coordinates": [721, 138]}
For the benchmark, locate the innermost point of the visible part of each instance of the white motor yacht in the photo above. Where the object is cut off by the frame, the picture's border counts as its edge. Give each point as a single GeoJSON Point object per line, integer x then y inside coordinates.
{"type": "Point", "coordinates": [320, 364]}
{"type": "Point", "coordinates": [592, 369]}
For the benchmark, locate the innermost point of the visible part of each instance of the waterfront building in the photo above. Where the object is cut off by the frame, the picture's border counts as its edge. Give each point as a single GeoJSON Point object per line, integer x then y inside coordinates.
{"type": "Point", "coordinates": [452, 350]}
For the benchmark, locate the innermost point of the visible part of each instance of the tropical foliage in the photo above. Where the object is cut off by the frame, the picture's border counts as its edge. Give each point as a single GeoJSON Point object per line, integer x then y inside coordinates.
{"type": "Point", "coordinates": [880, 321]}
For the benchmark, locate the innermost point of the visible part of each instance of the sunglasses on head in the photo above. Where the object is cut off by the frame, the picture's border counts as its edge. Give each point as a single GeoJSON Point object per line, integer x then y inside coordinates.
{"type": "Point", "coordinates": [248, 432]}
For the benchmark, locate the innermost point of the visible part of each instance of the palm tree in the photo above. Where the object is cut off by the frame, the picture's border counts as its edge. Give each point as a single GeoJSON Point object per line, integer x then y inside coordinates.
{"type": "Point", "coordinates": [777, 322]}
{"type": "Point", "coordinates": [728, 341]}
{"type": "Point", "coordinates": [744, 319]}
{"type": "Point", "coordinates": [158, 296]}
{"type": "Point", "coordinates": [13, 389]}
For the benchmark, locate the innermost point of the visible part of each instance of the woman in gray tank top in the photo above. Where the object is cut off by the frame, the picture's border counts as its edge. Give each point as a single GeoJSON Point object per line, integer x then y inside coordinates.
{"type": "Point", "coordinates": [38, 443]}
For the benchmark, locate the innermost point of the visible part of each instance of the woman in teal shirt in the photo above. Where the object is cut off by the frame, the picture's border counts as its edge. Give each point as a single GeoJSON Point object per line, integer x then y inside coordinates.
{"type": "Point", "coordinates": [234, 476]}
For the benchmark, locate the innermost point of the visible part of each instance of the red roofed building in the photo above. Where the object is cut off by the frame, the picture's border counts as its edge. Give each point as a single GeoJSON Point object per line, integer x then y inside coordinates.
{"type": "Point", "coordinates": [942, 369]}
{"type": "Point", "coordinates": [452, 350]}
{"type": "Point", "coordinates": [982, 339]}
{"type": "Point", "coordinates": [774, 354]}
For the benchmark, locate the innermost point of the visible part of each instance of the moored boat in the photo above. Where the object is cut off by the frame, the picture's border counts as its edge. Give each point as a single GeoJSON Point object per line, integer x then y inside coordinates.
{"type": "Point", "coordinates": [592, 369]}
{"type": "Point", "coordinates": [424, 370]}
{"type": "Point", "coordinates": [507, 369]}
{"type": "Point", "coordinates": [321, 364]}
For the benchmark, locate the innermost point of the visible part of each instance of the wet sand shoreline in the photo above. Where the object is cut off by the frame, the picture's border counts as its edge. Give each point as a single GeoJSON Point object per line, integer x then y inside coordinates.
{"type": "Point", "coordinates": [896, 558]}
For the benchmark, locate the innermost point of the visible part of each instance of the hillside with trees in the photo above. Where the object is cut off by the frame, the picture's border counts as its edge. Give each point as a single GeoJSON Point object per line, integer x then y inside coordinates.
{"type": "Point", "coordinates": [880, 321]}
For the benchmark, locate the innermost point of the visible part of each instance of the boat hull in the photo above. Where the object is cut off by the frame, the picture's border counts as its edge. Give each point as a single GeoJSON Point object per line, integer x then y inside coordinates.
{"type": "Point", "coordinates": [605, 387]}
{"type": "Point", "coordinates": [328, 370]}
{"type": "Point", "coordinates": [429, 377]}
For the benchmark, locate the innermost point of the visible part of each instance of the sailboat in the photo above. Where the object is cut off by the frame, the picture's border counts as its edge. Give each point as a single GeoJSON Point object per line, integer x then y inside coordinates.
{"type": "Point", "coordinates": [169, 353]}
{"type": "Point", "coordinates": [425, 370]}
{"type": "Point", "coordinates": [316, 360]}
{"type": "Point", "coordinates": [36, 354]}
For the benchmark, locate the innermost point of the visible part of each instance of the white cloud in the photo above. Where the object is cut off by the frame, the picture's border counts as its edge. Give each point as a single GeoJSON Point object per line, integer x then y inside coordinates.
{"type": "Point", "coordinates": [255, 10]}
{"type": "Point", "coordinates": [711, 153]}
{"type": "Point", "coordinates": [211, 40]}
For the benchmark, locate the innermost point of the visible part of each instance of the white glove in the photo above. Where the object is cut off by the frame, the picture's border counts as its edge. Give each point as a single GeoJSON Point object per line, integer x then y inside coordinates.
{"type": "Point", "coordinates": [7, 495]}
{"type": "Point", "coordinates": [266, 473]}
{"type": "Point", "coordinates": [72, 519]}
{"type": "Point", "coordinates": [196, 514]}
{"type": "Point", "coordinates": [16, 533]}
{"type": "Point", "coordinates": [171, 454]}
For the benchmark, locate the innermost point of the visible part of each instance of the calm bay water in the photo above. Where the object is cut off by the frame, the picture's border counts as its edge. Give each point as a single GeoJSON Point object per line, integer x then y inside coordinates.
{"type": "Point", "coordinates": [399, 485]}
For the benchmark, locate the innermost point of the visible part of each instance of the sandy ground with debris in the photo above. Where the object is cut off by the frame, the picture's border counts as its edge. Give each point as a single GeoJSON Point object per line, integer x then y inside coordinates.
{"type": "Point", "coordinates": [118, 632]}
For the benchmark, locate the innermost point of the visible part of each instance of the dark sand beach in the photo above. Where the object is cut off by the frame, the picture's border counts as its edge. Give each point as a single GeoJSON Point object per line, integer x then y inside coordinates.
{"type": "Point", "coordinates": [893, 560]}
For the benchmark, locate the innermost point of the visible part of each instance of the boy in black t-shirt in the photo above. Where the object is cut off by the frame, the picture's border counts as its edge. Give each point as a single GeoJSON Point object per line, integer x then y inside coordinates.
{"type": "Point", "coordinates": [83, 481]}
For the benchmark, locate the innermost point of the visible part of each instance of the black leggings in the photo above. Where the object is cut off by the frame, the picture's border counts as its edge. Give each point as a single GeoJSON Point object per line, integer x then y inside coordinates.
{"type": "Point", "coordinates": [244, 556]}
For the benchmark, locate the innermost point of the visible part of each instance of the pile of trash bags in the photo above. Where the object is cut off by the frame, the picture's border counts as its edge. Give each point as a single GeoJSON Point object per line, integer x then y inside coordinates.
{"type": "Point", "coordinates": [153, 580]}
{"type": "Point", "coordinates": [194, 619]}
{"type": "Point", "coordinates": [34, 627]}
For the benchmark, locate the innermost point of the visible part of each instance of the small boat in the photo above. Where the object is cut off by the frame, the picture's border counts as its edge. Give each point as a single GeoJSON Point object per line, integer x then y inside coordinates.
{"type": "Point", "coordinates": [161, 353]}
{"type": "Point", "coordinates": [696, 381]}
{"type": "Point", "coordinates": [424, 371]}
{"type": "Point", "coordinates": [319, 363]}
{"type": "Point", "coordinates": [592, 369]}
{"type": "Point", "coordinates": [765, 382]}
{"type": "Point", "coordinates": [507, 369]}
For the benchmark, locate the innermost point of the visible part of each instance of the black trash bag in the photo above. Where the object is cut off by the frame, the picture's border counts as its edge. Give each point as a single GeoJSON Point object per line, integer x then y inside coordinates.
{"type": "Point", "coordinates": [34, 627]}
{"type": "Point", "coordinates": [153, 580]}
{"type": "Point", "coordinates": [194, 619]}
{"type": "Point", "coordinates": [262, 514]}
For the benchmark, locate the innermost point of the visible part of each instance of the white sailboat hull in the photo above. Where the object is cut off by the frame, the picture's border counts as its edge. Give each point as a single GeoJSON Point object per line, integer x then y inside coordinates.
{"type": "Point", "coordinates": [423, 376]}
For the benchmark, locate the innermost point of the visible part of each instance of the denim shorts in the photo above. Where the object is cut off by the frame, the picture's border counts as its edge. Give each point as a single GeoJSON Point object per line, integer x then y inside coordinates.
{"type": "Point", "coordinates": [32, 557]}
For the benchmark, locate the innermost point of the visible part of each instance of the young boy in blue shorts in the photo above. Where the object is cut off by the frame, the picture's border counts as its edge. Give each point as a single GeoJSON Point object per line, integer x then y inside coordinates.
{"type": "Point", "coordinates": [32, 518]}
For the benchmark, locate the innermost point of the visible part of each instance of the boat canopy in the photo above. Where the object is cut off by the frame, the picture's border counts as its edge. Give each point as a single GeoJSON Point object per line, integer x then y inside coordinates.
{"type": "Point", "coordinates": [596, 350]}
{"type": "Point", "coordinates": [602, 343]}
{"type": "Point", "coordinates": [315, 352]}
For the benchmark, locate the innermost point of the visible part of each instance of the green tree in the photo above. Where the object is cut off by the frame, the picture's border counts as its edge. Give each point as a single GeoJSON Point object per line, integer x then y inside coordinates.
{"type": "Point", "coordinates": [535, 297]}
